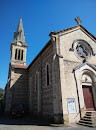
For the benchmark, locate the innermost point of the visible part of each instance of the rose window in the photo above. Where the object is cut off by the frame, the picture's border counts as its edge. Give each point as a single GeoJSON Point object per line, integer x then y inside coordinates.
{"type": "Point", "coordinates": [82, 51]}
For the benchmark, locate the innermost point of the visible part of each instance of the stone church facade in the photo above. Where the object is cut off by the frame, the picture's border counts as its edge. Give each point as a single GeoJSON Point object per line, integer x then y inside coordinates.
{"type": "Point", "coordinates": [60, 83]}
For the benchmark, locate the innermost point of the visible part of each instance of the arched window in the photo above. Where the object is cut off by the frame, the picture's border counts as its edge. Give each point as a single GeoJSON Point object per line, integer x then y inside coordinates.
{"type": "Point", "coordinates": [47, 75]}
{"type": "Point", "coordinates": [22, 55]}
{"type": "Point", "coordinates": [16, 54]}
{"type": "Point", "coordinates": [19, 54]}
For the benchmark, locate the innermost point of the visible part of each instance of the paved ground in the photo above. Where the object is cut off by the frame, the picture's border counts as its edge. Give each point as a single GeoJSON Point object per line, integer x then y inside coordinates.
{"type": "Point", "coordinates": [6, 123]}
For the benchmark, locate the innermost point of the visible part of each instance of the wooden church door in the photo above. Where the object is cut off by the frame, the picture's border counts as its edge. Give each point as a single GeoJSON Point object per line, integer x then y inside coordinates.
{"type": "Point", "coordinates": [88, 97]}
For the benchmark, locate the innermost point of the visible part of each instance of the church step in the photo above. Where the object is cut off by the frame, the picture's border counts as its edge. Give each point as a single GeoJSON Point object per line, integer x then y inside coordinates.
{"type": "Point", "coordinates": [89, 125]}
{"type": "Point", "coordinates": [90, 112]}
{"type": "Point", "coordinates": [86, 122]}
{"type": "Point", "coordinates": [89, 117]}
{"type": "Point", "coordinates": [86, 119]}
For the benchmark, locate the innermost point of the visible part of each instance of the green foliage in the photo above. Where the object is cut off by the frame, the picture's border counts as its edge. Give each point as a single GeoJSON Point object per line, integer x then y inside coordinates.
{"type": "Point", "coordinates": [2, 91]}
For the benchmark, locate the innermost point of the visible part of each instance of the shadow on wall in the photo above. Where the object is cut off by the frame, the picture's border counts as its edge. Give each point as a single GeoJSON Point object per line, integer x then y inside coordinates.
{"type": "Point", "coordinates": [26, 120]}
{"type": "Point", "coordinates": [2, 107]}
{"type": "Point", "coordinates": [18, 93]}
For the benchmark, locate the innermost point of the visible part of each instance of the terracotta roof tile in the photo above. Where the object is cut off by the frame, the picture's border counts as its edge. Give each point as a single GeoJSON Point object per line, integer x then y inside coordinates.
{"type": "Point", "coordinates": [21, 66]}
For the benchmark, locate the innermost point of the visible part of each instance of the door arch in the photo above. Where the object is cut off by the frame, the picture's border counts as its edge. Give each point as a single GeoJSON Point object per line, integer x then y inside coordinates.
{"type": "Point", "coordinates": [87, 87]}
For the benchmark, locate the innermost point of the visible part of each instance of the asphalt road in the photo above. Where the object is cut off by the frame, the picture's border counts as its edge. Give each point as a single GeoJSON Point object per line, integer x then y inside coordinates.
{"type": "Point", "coordinates": [26, 123]}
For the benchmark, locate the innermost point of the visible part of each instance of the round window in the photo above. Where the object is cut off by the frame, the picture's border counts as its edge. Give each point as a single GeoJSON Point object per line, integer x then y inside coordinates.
{"type": "Point", "coordinates": [82, 50]}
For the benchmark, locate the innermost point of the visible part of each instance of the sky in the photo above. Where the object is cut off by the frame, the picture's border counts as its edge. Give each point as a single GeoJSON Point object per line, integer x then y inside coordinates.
{"type": "Point", "coordinates": [39, 17]}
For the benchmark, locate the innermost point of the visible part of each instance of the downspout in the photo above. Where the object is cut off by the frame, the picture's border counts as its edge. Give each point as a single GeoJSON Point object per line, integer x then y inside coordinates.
{"type": "Point", "coordinates": [77, 93]}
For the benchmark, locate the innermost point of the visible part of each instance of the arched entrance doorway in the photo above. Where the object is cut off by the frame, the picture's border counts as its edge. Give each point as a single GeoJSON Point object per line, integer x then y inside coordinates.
{"type": "Point", "coordinates": [87, 86]}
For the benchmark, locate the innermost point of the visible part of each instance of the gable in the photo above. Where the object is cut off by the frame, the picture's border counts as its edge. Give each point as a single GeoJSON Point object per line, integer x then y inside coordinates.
{"type": "Point", "coordinates": [76, 34]}
{"type": "Point", "coordinates": [67, 39]}
{"type": "Point", "coordinates": [71, 29]}
{"type": "Point", "coordinates": [83, 66]}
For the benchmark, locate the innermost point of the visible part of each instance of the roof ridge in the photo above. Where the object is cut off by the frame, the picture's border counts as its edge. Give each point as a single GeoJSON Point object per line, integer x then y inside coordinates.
{"type": "Point", "coordinates": [67, 29]}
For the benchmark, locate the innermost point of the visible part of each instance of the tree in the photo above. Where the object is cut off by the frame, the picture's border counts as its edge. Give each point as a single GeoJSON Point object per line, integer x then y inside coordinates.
{"type": "Point", "coordinates": [2, 91]}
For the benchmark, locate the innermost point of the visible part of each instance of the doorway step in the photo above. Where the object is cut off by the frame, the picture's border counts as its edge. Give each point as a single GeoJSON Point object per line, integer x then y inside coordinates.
{"type": "Point", "coordinates": [89, 119]}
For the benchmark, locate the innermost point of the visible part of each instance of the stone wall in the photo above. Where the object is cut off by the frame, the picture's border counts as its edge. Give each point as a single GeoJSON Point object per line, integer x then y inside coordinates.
{"type": "Point", "coordinates": [8, 98]}
{"type": "Point", "coordinates": [19, 87]}
{"type": "Point", "coordinates": [41, 100]}
{"type": "Point", "coordinates": [67, 64]}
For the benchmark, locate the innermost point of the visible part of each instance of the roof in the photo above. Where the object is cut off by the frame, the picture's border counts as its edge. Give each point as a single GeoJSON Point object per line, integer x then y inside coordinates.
{"type": "Point", "coordinates": [21, 66]}
{"type": "Point", "coordinates": [71, 28]}
{"type": "Point", "coordinates": [52, 33]}
{"type": "Point", "coordinates": [48, 43]}
{"type": "Point", "coordinates": [86, 63]}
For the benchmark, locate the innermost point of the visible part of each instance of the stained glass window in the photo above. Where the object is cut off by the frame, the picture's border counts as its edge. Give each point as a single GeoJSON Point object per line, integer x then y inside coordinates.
{"type": "Point", "coordinates": [82, 51]}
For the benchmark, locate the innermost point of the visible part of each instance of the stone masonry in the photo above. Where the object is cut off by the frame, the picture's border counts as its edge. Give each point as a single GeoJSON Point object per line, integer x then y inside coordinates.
{"type": "Point", "coordinates": [53, 85]}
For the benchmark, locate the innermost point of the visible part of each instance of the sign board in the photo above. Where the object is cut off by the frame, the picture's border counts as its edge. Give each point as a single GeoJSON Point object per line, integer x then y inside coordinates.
{"type": "Point", "coordinates": [71, 105]}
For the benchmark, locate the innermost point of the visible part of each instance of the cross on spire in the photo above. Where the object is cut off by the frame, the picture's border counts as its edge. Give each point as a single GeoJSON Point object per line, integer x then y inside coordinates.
{"type": "Point", "coordinates": [78, 20]}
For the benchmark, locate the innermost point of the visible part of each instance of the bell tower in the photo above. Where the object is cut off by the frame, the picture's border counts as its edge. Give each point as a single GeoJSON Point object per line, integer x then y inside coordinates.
{"type": "Point", "coordinates": [18, 46]}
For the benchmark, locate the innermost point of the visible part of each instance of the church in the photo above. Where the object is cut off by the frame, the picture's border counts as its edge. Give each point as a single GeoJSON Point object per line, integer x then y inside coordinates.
{"type": "Point", "coordinates": [60, 83]}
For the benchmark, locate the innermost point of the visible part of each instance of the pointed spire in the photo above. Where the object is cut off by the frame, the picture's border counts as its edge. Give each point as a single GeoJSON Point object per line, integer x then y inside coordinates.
{"type": "Point", "coordinates": [19, 34]}
{"type": "Point", "coordinates": [20, 26]}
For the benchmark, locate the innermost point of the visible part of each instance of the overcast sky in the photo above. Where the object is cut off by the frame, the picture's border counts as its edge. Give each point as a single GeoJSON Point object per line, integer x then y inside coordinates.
{"type": "Point", "coordinates": [39, 17]}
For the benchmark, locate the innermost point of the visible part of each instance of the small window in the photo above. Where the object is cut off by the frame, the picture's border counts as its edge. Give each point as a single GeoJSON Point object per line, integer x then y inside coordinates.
{"type": "Point", "coordinates": [22, 55]}
{"type": "Point", "coordinates": [19, 55]}
{"type": "Point", "coordinates": [47, 74]}
{"type": "Point", "coordinates": [16, 54]}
